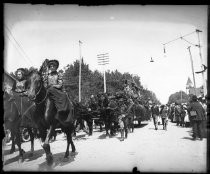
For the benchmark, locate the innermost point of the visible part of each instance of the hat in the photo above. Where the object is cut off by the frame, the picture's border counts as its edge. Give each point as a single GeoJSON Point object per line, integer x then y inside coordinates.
{"type": "Point", "coordinates": [53, 62]}
{"type": "Point", "coordinates": [21, 70]}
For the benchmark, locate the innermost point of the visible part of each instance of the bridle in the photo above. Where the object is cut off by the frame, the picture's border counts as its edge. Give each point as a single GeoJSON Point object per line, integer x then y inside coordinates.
{"type": "Point", "coordinates": [35, 97]}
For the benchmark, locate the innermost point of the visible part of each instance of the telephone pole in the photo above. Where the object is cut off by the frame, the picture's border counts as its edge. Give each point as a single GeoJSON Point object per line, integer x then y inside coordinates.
{"type": "Point", "coordinates": [199, 46]}
{"type": "Point", "coordinates": [103, 59]}
{"type": "Point", "coordinates": [191, 60]}
{"type": "Point", "coordinates": [80, 62]}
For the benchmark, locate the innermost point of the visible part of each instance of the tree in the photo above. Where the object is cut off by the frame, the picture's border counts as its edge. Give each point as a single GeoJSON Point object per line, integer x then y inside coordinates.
{"type": "Point", "coordinates": [179, 97]}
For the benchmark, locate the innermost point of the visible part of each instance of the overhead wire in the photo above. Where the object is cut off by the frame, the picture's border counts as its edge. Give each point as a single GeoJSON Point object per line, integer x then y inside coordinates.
{"type": "Point", "coordinates": [24, 53]}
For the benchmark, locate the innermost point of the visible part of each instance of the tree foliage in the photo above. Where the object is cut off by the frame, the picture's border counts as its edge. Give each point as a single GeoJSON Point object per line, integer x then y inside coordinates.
{"type": "Point", "coordinates": [179, 97]}
{"type": "Point", "coordinates": [92, 82]}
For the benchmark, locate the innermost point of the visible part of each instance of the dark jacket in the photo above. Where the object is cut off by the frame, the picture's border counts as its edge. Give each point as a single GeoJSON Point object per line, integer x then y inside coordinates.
{"type": "Point", "coordinates": [196, 106]}
{"type": "Point", "coordinates": [155, 110]}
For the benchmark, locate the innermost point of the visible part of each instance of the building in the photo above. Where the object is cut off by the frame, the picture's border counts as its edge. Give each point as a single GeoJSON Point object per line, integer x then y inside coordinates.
{"type": "Point", "coordinates": [191, 90]}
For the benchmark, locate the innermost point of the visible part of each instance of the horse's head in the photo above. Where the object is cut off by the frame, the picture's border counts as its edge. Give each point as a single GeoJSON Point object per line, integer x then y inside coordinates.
{"type": "Point", "coordinates": [33, 84]}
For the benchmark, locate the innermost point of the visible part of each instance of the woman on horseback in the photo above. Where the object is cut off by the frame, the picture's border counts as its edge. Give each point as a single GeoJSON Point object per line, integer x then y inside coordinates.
{"type": "Point", "coordinates": [20, 84]}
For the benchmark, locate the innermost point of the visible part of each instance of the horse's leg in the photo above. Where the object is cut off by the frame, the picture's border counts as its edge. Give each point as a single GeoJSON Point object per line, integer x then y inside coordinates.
{"type": "Point", "coordinates": [13, 142]}
{"type": "Point", "coordinates": [107, 128]}
{"type": "Point", "coordinates": [90, 125]}
{"type": "Point", "coordinates": [18, 141]}
{"type": "Point", "coordinates": [69, 141]}
{"type": "Point", "coordinates": [132, 123]}
{"type": "Point", "coordinates": [46, 146]}
{"type": "Point", "coordinates": [126, 128]}
{"type": "Point", "coordinates": [32, 140]}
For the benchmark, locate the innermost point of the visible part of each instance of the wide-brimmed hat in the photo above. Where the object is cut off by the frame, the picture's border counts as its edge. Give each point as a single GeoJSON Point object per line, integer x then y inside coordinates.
{"type": "Point", "coordinates": [53, 62]}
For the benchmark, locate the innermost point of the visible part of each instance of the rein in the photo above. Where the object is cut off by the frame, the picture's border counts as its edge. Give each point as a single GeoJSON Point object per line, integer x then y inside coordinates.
{"type": "Point", "coordinates": [38, 93]}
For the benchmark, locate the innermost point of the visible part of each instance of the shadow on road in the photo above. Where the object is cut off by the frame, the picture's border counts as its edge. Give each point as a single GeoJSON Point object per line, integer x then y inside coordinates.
{"type": "Point", "coordinates": [27, 155]}
{"type": "Point", "coordinates": [187, 138]}
{"type": "Point", "coordinates": [80, 137]}
{"type": "Point", "coordinates": [58, 161]}
{"type": "Point", "coordinates": [102, 136]}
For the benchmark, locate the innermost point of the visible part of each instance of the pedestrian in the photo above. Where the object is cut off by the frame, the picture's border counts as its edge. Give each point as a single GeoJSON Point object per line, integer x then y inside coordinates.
{"type": "Point", "coordinates": [197, 115]}
{"type": "Point", "coordinates": [155, 114]}
{"type": "Point", "coordinates": [177, 114]}
{"type": "Point", "coordinates": [182, 115]}
{"type": "Point", "coordinates": [164, 115]}
{"type": "Point", "coordinates": [121, 117]}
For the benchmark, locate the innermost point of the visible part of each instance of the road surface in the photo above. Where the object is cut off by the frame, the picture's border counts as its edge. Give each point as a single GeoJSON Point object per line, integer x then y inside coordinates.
{"type": "Point", "coordinates": [147, 149]}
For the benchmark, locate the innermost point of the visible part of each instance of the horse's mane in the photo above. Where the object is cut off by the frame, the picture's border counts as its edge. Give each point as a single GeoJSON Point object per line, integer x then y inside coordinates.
{"type": "Point", "coordinates": [32, 71]}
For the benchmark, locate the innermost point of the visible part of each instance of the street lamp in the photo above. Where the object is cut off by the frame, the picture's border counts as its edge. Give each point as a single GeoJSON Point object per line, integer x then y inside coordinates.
{"type": "Point", "coordinates": [151, 60]}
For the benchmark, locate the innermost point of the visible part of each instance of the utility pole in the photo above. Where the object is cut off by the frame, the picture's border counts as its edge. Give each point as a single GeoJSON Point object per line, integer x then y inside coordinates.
{"type": "Point", "coordinates": [191, 60]}
{"type": "Point", "coordinates": [181, 96]}
{"type": "Point", "coordinates": [199, 46]}
{"type": "Point", "coordinates": [80, 63]}
{"type": "Point", "coordinates": [103, 59]}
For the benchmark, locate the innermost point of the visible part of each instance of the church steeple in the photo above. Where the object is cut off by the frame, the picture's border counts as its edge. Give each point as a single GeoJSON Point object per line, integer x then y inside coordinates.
{"type": "Point", "coordinates": [189, 83]}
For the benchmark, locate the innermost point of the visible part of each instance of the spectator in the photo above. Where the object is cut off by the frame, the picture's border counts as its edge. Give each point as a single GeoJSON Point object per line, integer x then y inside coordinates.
{"type": "Point", "coordinates": [155, 114]}
{"type": "Point", "coordinates": [164, 116]}
{"type": "Point", "coordinates": [197, 115]}
{"type": "Point", "coordinates": [182, 115]}
{"type": "Point", "coordinates": [177, 114]}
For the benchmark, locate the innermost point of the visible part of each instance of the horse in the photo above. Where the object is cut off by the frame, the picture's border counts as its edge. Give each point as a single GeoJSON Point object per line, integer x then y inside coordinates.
{"type": "Point", "coordinates": [83, 114]}
{"type": "Point", "coordinates": [111, 118]}
{"type": "Point", "coordinates": [18, 113]}
{"type": "Point", "coordinates": [47, 116]}
{"type": "Point", "coordinates": [107, 114]}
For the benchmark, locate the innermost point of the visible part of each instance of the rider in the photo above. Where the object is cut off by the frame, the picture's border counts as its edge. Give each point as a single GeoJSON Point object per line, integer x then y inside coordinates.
{"type": "Point", "coordinates": [53, 83]}
{"type": "Point", "coordinates": [92, 103]}
{"type": "Point", "coordinates": [20, 84]}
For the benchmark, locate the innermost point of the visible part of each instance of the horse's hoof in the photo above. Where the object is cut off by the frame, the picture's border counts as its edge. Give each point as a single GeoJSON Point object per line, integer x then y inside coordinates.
{"type": "Point", "coordinates": [20, 160]}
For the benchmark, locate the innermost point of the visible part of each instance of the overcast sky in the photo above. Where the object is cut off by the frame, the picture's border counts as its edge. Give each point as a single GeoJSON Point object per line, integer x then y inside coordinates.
{"type": "Point", "coordinates": [130, 34]}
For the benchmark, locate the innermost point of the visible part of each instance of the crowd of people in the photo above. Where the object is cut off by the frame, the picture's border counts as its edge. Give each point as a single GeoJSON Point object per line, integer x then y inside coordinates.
{"type": "Point", "coordinates": [192, 114]}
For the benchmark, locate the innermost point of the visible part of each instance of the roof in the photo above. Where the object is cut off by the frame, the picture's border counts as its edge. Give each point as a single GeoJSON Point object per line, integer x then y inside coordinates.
{"type": "Point", "coordinates": [189, 82]}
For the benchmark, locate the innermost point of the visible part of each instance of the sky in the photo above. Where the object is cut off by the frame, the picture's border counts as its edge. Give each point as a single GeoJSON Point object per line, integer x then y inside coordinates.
{"type": "Point", "coordinates": [130, 34]}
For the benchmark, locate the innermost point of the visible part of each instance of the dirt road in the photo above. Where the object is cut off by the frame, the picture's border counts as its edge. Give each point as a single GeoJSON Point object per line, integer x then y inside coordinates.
{"type": "Point", "coordinates": [147, 149]}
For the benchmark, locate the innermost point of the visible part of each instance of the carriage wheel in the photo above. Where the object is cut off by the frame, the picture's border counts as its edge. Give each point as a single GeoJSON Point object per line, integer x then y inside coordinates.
{"type": "Point", "coordinates": [25, 135]}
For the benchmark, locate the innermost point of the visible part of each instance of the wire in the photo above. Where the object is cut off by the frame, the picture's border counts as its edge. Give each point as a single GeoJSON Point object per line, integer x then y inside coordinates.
{"type": "Point", "coordinates": [19, 45]}
{"type": "Point", "coordinates": [179, 38]}
{"type": "Point", "coordinates": [189, 42]}
{"type": "Point", "coordinates": [17, 48]}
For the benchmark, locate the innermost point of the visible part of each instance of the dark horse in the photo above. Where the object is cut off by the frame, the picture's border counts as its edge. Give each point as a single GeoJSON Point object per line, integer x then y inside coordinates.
{"type": "Point", "coordinates": [47, 118]}
{"type": "Point", "coordinates": [18, 113]}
